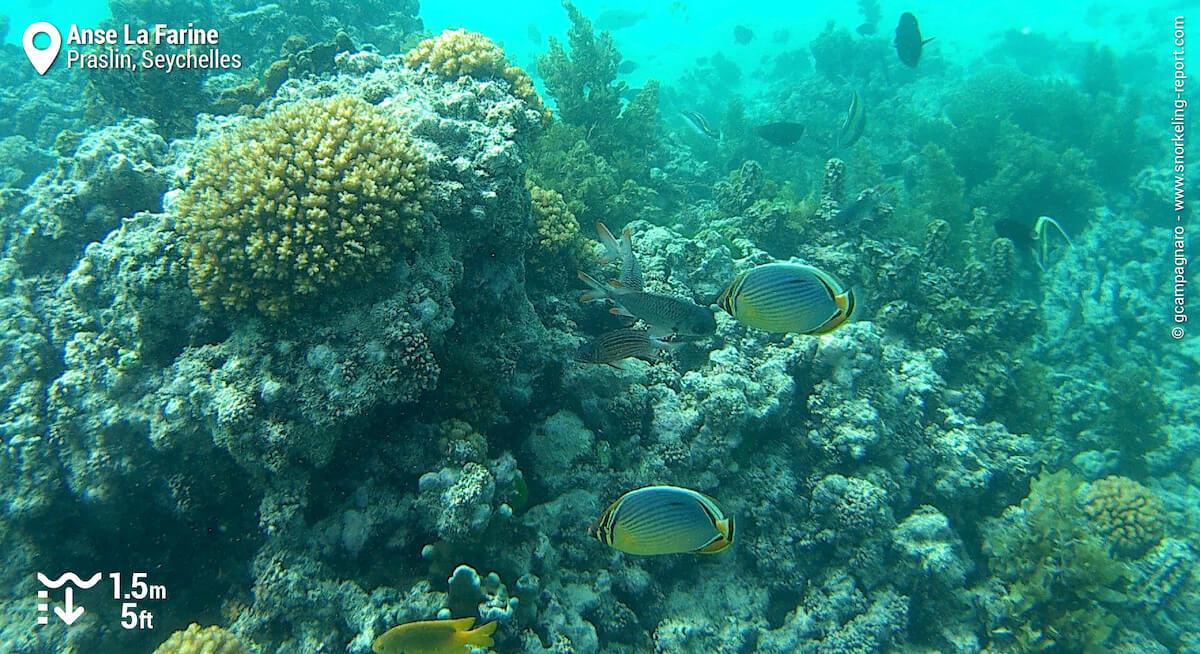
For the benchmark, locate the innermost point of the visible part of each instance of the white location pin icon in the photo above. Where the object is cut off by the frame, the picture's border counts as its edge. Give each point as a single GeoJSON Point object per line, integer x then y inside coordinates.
{"type": "Point", "coordinates": [41, 59]}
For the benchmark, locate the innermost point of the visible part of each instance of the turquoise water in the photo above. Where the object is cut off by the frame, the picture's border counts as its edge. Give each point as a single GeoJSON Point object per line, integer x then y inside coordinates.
{"type": "Point", "coordinates": [370, 317]}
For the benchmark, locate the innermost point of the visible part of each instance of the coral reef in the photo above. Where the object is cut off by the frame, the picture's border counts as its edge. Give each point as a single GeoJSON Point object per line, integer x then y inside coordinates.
{"type": "Point", "coordinates": [209, 640]}
{"type": "Point", "coordinates": [321, 349]}
{"type": "Point", "coordinates": [314, 195]}
{"type": "Point", "coordinates": [458, 53]}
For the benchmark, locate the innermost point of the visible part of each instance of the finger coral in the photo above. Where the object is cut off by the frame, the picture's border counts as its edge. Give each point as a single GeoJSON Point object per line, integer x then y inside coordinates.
{"type": "Point", "coordinates": [555, 225]}
{"type": "Point", "coordinates": [1126, 513]}
{"type": "Point", "coordinates": [458, 53]}
{"type": "Point", "coordinates": [209, 640]}
{"type": "Point", "coordinates": [311, 196]}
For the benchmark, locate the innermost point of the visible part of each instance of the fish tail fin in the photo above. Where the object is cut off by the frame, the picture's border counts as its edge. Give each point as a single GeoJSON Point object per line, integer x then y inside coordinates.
{"type": "Point", "coordinates": [481, 637]}
{"type": "Point", "coordinates": [599, 291]}
{"type": "Point", "coordinates": [612, 249]}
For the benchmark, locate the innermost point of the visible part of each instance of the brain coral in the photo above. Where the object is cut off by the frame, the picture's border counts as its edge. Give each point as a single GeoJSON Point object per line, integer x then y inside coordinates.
{"type": "Point", "coordinates": [209, 640]}
{"type": "Point", "coordinates": [1126, 513]}
{"type": "Point", "coordinates": [457, 53]}
{"type": "Point", "coordinates": [312, 195]}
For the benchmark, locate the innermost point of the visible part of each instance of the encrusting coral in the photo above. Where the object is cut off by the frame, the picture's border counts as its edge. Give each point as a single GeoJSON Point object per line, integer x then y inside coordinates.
{"type": "Point", "coordinates": [1126, 513]}
{"type": "Point", "coordinates": [457, 53]}
{"type": "Point", "coordinates": [313, 195]}
{"type": "Point", "coordinates": [209, 640]}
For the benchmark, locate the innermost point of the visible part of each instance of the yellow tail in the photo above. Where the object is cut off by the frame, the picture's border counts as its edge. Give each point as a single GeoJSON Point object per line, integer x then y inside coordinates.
{"type": "Point", "coordinates": [481, 637]}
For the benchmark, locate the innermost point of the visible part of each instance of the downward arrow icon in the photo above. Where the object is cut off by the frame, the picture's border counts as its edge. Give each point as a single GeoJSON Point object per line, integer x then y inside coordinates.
{"type": "Point", "coordinates": [67, 612]}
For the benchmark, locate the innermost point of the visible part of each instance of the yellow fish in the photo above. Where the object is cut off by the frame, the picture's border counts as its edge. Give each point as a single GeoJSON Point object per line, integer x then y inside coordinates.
{"type": "Point", "coordinates": [434, 637]}
{"type": "Point", "coordinates": [788, 297]}
{"type": "Point", "coordinates": [664, 520]}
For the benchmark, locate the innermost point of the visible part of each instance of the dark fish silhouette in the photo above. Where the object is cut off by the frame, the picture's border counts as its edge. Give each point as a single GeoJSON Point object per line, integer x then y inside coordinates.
{"type": "Point", "coordinates": [619, 19]}
{"type": "Point", "coordinates": [533, 33]}
{"type": "Point", "coordinates": [908, 40]}
{"type": "Point", "coordinates": [782, 133]}
{"type": "Point", "coordinates": [627, 67]}
{"type": "Point", "coordinates": [742, 34]}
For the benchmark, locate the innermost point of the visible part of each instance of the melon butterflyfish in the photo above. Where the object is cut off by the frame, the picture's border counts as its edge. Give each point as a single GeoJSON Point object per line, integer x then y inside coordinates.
{"type": "Point", "coordinates": [664, 520]}
{"type": "Point", "coordinates": [788, 297]}
{"type": "Point", "coordinates": [434, 637]}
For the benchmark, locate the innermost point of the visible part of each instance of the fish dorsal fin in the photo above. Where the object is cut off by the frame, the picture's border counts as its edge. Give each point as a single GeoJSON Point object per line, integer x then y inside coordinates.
{"type": "Point", "coordinates": [461, 624]}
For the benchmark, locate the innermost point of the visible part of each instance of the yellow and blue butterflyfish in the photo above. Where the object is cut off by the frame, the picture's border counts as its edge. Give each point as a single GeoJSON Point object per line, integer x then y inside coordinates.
{"type": "Point", "coordinates": [788, 297]}
{"type": "Point", "coordinates": [665, 520]}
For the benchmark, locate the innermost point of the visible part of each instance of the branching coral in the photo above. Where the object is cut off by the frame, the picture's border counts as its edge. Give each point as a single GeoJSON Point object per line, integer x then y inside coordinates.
{"type": "Point", "coordinates": [458, 53]}
{"type": "Point", "coordinates": [1062, 586]}
{"type": "Point", "coordinates": [311, 196]}
{"type": "Point", "coordinates": [584, 85]}
{"type": "Point", "coordinates": [555, 227]}
{"type": "Point", "coordinates": [209, 640]}
{"type": "Point", "coordinates": [1127, 514]}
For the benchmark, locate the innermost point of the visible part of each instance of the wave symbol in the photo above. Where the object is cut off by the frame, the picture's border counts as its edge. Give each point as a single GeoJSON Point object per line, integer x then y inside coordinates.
{"type": "Point", "coordinates": [71, 577]}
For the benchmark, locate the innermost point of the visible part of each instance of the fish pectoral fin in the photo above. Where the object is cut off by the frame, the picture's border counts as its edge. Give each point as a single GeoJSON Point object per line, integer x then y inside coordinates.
{"type": "Point", "coordinates": [618, 311]}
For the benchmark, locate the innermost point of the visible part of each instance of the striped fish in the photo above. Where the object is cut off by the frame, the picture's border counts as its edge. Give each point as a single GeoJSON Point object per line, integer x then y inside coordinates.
{"type": "Point", "coordinates": [631, 271]}
{"type": "Point", "coordinates": [618, 345]}
{"type": "Point", "coordinates": [664, 520]}
{"type": "Point", "coordinates": [699, 123]}
{"type": "Point", "coordinates": [679, 318]}
{"type": "Point", "coordinates": [854, 124]}
{"type": "Point", "coordinates": [788, 297]}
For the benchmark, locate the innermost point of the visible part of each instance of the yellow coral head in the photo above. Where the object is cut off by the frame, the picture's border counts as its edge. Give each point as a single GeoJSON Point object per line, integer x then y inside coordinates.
{"type": "Point", "coordinates": [313, 195]}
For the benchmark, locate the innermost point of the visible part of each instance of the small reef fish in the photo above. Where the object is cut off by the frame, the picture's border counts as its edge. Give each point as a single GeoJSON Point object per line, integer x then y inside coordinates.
{"type": "Point", "coordinates": [908, 40]}
{"type": "Point", "coordinates": [781, 133]}
{"type": "Point", "coordinates": [627, 67]}
{"type": "Point", "coordinates": [619, 344]}
{"type": "Point", "coordinates": [742, 34]}
{"type": "Point", "coordinates": [664, 520]}
{"type": "Point", "coordinates": [788, 297]}
{"type": "Point", "coordinates": [533, 33]}
{"type": "Point", "coordinates": [631, 271]}
{"type": "Point", "coordinates": [434, 637]}
{"type": "Point", "coordinates": [678, 318]}
{"type": "Point", "coordinates": [864, 204]}
{"type": "Point", "coordinates": [699, 123]}
{"type": "Point", "coordinates": [619, 19]}
{"type": "Point", "coordinates": [855, 123]}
